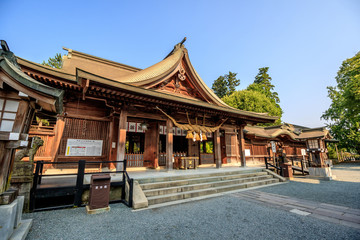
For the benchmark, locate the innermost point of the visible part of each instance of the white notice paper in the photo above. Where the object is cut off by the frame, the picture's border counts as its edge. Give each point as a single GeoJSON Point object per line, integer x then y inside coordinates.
{"type": "Point", "coordinates": [83, 147]}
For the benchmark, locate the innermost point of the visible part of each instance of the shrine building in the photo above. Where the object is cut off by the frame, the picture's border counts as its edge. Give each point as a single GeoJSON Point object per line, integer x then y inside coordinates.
{"type": "Point", "coordinates": [150, 117]}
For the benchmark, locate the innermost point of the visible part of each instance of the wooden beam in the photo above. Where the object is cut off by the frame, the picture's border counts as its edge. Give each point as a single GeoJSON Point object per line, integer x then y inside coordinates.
{"type": "Point", "coordinates": [85, 88]}
{"type": "Point", "coordinates": [7, 136]}
{"type": "Point", "coordinates": [121, 140]}
{"type": "Point", "coordinates": [217, 148]}
{"type": "Point", "coordinates": [17, 144]}
{"type": "Point", "coordinates": [70, 115]}
{"type": "Point", "coordinates": [169, 145]}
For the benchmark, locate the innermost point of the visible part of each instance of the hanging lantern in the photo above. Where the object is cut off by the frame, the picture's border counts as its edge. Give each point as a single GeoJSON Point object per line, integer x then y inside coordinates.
{"type": "Point", "coordinates": [194, 136]}
{"type": "Point", "coordinates": [189, 135]}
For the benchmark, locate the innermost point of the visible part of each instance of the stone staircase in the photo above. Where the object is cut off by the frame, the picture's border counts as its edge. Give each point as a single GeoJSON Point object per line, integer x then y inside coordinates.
{"type": "Point", "coordinates": [166, 189]}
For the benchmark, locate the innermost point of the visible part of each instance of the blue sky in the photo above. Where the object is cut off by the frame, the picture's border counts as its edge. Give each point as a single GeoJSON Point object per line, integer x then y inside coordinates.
{"type": "Point", "coordinates": [302, 42]}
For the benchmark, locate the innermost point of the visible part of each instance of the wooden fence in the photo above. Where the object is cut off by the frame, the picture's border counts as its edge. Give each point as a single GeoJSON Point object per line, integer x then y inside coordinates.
{"type": "Point", "coordinates": [162, 159]}
{"type": "Point", "coordinates": [134, 159]}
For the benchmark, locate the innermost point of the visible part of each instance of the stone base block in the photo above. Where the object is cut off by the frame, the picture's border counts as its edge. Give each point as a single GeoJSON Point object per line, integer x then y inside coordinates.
{"type": "Point", "coordinates": [12, 227]}
{"type": "Point", "coordinates": [324, 173]}
{"type": "Point", "coordinates": [7, 220]}
{"type": "Point", "coordinates": [8, 196]}
{"type": "Point", "coordinates": [19, 210]}
{"type": "Point", "coordinates": [22, 231]}
{"type": "Point", "coordinates": [96, 211]}
{"type": "Point", "coordinates": [139, 198]}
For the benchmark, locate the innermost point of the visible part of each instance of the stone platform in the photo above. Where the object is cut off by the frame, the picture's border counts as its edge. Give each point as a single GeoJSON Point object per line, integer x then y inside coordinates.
{"type": "Point", "coordinates": [11, 224]}
{"type": "Point", "coordinates": [323, 211]}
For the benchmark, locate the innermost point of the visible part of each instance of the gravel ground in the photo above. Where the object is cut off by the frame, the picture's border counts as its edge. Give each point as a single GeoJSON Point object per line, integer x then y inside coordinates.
{"type": "Point", "coordinates": [226, 217]}
{"type": "Point", "coordinates": [343, 191]}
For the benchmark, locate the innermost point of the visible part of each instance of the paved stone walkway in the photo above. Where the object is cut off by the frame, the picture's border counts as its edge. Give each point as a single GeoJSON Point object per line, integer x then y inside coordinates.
{"type": "Point", "coordinates": [327, 212]}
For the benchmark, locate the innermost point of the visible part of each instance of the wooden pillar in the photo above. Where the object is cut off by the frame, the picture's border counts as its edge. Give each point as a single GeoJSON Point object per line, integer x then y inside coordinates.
{"type": "Point", "coordinates": [21, 117]}
{"type": "Point", "coordinates": [217, 148]}
{"type": "Point", "coordinates": [59, 130]}
{"type": "Point", "coordinates": [169, 145]}
{"type": "Point", "coordinates": [151, 149]}
{"type": "Point", "coordinates": [242, 146]}
{"type": "Point", "coordinates": [120, 155]}
{"type": "Point", "coordinates": [110, 141]}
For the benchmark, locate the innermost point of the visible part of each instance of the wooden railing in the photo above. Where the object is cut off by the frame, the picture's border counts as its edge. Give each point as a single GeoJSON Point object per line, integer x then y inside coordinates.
{"type": "Point", "coordinates": [134, 159]}
{"type": "Point", "coordinates": [162, 159]}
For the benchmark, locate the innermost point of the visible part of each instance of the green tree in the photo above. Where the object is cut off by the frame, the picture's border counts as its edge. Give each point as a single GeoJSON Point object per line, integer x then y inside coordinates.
{"type": "Point", "coordinates": [255, 101]}
{"type": "Point", "coordinates": [225, 85]}
{"type": "Point", "coordinates": [344, 111]}
{"type": "Point", "coordinates": [55, 62]}
{"type": "Point", "coordinates": [262, 83]}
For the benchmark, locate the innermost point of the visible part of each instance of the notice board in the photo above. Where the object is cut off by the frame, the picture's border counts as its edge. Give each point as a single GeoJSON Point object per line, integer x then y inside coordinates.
{"type": "Point", "coordinates": [83, 147]}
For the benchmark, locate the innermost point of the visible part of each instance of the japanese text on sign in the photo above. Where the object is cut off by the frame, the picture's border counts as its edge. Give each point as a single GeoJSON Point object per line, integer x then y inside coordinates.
{"type": "Point", "coordinates": [83, 147]}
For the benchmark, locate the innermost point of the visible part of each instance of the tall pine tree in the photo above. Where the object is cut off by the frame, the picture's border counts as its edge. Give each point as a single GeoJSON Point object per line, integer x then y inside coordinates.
{"type": "Point", "coordinates": [55, 62]}
{"type": "Point", "coordinates": [225, 85]}
{"type": "Point", "coordinates": [262, 83]}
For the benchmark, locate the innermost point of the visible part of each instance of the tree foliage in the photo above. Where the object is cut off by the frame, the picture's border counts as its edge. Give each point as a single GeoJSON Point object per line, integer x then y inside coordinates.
{"type": "Point", "coordinates": [255, 101]}
{"type": "Point", "coordinates": [225, 85]}
{"type": "Point", "coordinates": [55, 62]}
{"type": "Point", "coordinates": [344, 111]}
{"type": "Point", "coordinates": [258, 97]}
{"type": "Point", "coordinates": [262, 83]}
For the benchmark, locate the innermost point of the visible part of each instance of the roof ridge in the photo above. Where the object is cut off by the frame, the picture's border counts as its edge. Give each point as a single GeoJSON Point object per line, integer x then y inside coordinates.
{"type": "Point", "coordinates": [99, 59]}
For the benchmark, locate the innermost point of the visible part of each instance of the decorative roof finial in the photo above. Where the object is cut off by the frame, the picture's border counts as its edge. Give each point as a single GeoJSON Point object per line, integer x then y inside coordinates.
{"type": "Point", "coordinates": [182, 42]}
{"type": "Point", "coordinates": [5, 47]}
{"type": "Point", "coordinates": [177, 46]}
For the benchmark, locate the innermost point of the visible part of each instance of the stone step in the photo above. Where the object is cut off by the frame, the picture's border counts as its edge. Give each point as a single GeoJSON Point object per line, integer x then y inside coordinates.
{"type": "Point", "coordinates": [199, 179]}
{"type": "Point", "coordinates": [193, 176]}
{"type": "Point", "coordinates": [198, 186]}
{"type": "Point", "coordinates": [208, 191]}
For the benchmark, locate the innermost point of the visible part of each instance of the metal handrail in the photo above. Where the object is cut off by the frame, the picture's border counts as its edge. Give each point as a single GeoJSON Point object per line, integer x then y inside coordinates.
{"type": "Point", "coordinates": [267, 164]}
{"type": "Point", "coordinates": [78, 190]}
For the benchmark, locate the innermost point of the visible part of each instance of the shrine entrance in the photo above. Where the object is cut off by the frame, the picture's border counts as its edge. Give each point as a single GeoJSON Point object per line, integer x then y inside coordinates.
{"type": "Point", "coordinates": [180, 147]}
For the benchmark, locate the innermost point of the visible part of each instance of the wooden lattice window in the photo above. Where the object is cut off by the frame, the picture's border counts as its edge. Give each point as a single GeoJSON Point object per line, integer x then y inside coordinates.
{"type": "Point", "coordinates": [313, 143]}
{"type": "Point", "coordinates": [8, 110]}
{"type": "Point", "coordinates": [85, 129]}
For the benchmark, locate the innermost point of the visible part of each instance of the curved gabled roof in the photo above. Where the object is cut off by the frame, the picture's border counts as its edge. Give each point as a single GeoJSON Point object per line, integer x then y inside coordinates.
{"type": "Point", "coordinates": [289, 130]}
{"type": "Point", "coordinates": [154, 72]}
{"type": "Point", "coordinates": [48, 97]}
{"type": "Point", "coordinates": [167, 68]}
{"type": "Point", "coordinates": [271, 133]}
{"type": "Point", "coordinates": [81, 74]}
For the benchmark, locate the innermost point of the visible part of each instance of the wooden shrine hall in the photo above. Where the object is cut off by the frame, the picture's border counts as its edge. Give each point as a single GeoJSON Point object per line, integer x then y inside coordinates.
{"type": "Point", "coordinates": [151, 117]}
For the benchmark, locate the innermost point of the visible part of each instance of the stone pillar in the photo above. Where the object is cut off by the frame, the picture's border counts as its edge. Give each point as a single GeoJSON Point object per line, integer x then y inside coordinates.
{"type": "Point", "coordinates": [22, 179]}
{"type": "Point", "coordinates": [121, 140]}
{"type": "Point", "coordinates": [169, 145]}
{"type": "Point", "coordinates": [217, 148]}
{"type": "Point", "coordinates": [242, 146]}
